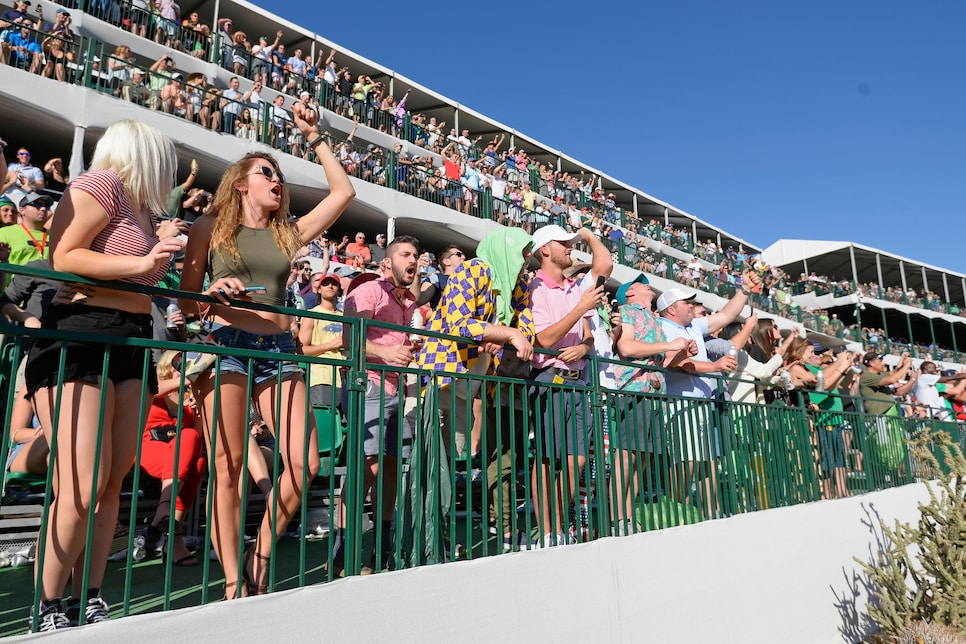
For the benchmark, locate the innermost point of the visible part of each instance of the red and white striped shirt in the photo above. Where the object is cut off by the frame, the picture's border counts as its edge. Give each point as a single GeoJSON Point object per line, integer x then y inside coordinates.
{"type": "Point", "coordinates": [123, 234]}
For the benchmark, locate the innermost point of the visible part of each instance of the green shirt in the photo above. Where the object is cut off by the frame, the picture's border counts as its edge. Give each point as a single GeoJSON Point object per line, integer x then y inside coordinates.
{"type": "Point", "coordinates": [878, 399]}
{"type": "Point", "coordinates": [25, 246]}
{"type": "Point", "coordinates": [827, 402]}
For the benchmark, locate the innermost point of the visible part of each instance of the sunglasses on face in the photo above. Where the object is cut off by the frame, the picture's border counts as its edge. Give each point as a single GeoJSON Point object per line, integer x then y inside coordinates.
{"type": "Point", "coordinates": [269, 173]}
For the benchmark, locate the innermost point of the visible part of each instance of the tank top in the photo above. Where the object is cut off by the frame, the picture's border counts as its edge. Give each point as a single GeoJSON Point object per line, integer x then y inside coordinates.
{"type": "Point", "coordinates": [260, 263]}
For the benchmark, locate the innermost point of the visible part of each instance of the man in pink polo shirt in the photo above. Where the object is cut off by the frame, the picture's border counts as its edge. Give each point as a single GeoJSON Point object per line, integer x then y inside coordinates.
{"type": "Point", "coordinates": [561, 313]}
{"type": "Point", "coordinates": [385, 431]}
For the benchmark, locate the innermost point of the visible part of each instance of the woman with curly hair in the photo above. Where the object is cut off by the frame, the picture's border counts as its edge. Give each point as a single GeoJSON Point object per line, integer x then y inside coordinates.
{"type": "Point", "coordinates": [248, 241]}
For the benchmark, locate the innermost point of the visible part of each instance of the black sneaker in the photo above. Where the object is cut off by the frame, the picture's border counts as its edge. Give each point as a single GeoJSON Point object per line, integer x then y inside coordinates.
{"type": "Point", "coordinates": [52, 617]}
{"type": "Point", "coordinates": [96, 611]}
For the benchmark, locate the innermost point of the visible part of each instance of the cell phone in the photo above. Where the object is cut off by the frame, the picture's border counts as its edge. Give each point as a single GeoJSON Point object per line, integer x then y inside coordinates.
{"type": "Point", "coordinates": [255, 289]}
{"type": "Point", "coordinates": [600, 281]}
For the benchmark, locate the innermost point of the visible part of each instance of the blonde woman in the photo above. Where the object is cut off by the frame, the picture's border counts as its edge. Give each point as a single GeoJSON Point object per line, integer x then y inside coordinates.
{"type": "Point", "coordinates": [105, 229]}
{"type": "Point", "coordinates": [248, 241]}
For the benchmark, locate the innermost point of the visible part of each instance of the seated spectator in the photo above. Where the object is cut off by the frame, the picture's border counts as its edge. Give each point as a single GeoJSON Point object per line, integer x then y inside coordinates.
{"type": "Point", "coordinates": [58, 46]}
{"type": "Point", "coordinates": [54, 176]}
{"type": "Point", "coordinates": [174, 100]}
{"type": "Point", "coordinates": [119, 66]}
{"type": "Point", "coordinates": [195, 89]}
{"type": "Point", "coordinates": [22, 50]}
{"type": "Point", "coordinates": [164, 440]}
{"type": "Point", "coordinates": [22, 177]}
{"type": "Point", "coordinates": [8, 214]}
{"type": "Point", "coordinates": [245, 127]}
{"type": "Point", "coordinates": [19, 16]}
{"type": "Point", "coordinates": [357, 253]}
{"type": "Point", "coordinates": [136, 90]}
{"type": "Point", "coordinates": [28, 450]}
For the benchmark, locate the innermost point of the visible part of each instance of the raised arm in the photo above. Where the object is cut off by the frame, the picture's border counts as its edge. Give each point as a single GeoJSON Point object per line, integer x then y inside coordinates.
{"type": "Point", "coordinates": [341, 191]}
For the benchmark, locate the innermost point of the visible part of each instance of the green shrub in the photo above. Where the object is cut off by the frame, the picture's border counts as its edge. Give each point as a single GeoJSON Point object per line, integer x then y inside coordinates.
{"type": "Point", "coordinates": [921, 575]}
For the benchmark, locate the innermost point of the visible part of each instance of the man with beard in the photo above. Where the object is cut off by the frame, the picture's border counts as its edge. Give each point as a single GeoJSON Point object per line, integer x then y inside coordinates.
{"type": "Point", "coordinates": [561, 313]}
{"type": "Point", "coordinates": [387, 299]}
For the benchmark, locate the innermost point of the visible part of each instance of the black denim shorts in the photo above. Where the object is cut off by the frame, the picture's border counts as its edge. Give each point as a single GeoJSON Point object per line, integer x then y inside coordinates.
{"type": "Point", "coordinates": [84, 360]}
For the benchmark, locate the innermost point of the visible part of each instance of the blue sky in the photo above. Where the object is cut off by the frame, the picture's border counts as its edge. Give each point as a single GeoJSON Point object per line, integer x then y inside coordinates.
{"type": "Point", "coordinates": [818, 120]}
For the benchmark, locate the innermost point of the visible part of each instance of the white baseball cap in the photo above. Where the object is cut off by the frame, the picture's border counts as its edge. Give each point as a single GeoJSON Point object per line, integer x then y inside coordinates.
{"type": "Point", "coordinates": [673, 295]}
{"type": "Point", "coordinates": [550, 233]}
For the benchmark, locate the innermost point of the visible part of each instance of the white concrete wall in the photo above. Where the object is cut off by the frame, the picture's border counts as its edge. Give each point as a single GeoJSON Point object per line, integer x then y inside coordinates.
{"type": "Point", "coordinates": [783, 575]}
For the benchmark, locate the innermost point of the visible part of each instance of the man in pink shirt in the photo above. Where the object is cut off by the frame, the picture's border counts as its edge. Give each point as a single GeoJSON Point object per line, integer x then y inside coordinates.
{"type": "Point", "coordinates": [386, 431]}
{"type": "Point", "coordinates": [561, 313]}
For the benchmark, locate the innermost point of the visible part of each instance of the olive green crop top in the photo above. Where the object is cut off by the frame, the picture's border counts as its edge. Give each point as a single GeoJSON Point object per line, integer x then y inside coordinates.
{"type": "Point", "coordinates": [261, 263]}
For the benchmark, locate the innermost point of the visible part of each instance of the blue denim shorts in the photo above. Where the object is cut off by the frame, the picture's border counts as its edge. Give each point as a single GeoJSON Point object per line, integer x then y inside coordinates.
{"type": "Point", "coordinates": [260, 369]}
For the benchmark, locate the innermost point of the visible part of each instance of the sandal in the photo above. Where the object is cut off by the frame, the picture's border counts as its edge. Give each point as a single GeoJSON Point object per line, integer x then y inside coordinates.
{"type": "Point", "coordinates": [250, 555]}
{"type": "Point", "coordinates": [189, 560]}
{"type": "Point", "coordinates": [226, 586]}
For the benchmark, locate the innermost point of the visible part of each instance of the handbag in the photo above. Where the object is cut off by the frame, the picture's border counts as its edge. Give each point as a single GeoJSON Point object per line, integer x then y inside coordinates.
{"type": "Point", "coordinates": [198, 362]}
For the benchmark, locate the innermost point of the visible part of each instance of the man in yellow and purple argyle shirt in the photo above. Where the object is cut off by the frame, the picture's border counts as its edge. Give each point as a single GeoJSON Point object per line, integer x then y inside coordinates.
{"type": "Point", "coordinates": [487, 302]}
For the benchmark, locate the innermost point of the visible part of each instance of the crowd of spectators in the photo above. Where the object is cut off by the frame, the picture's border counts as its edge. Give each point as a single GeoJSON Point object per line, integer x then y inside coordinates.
{"type": "Point", "coordinates": [325, 267]}
{"type": "Point", "coordinates": [457, 169]}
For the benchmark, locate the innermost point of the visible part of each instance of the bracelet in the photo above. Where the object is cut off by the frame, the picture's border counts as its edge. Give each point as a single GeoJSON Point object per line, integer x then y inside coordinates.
{"type": "Point", "coordinates": [314, 142]}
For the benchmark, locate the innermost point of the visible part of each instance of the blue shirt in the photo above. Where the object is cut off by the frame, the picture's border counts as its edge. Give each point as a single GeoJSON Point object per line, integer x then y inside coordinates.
{"type": "Point", "coordinates": [680, 383]}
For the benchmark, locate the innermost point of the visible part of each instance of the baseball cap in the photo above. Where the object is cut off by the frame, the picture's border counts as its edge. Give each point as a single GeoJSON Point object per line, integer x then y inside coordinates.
{"type": "Point", "coordinates": [34, 197]}
{"type": "Point", "coordinates": [304, 93]}
{"type": "Point", "coordinates": [673, 295]}
{"type": "Point", "coordinates": [550, 233]}
{"type": "Point", "coordinates": [622, 291]}
{"type": "Point", "coordinates": [818, 348]}
{"type": "Point", "coordinates": [872, 355]}
{"type": "Point", "coordinates": [331, 276]}
{"type": "Point", "coordinates": [5, 201]}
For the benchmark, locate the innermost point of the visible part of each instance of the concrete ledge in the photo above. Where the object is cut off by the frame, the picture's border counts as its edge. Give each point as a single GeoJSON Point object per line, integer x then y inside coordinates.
{"type": "Point", "coordinates": [783, 575]}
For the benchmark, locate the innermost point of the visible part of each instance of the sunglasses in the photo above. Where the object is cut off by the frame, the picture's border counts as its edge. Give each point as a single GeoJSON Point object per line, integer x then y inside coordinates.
{"type": "Point", "coordinates": [269, 173]}
{"type": "Point", "coordinates": [23, 154]}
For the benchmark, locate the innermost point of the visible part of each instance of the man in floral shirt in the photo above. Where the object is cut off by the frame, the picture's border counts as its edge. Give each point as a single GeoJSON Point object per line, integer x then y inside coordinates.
{"type": "Point", "coordinates": [641, 341]}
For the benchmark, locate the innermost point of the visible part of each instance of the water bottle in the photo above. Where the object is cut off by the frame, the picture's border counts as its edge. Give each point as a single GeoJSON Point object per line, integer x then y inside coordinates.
{"type": "Point", "coordinates": [820, 381]}
{"type": "Point", "coordinates": [140, 551]}
{"type": "Point", "coordinates": [733, 352]}
{"type": "Point", "coordinates": [171, 310]}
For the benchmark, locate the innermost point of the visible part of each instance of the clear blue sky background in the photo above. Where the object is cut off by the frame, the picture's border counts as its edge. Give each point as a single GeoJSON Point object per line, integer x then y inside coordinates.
{"type": "Point", "coordinates": [818, 120]}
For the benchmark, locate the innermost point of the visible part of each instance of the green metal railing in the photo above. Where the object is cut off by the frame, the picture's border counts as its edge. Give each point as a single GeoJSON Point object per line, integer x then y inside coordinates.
{"type": "Point", "coordinates": [648, 462]}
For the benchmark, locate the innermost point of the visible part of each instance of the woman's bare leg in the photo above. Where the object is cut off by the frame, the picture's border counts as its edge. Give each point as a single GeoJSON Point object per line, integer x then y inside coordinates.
{"type": "Point", "coordinates": [294, 438]}
{"type": "Point", "coordinates": [230, 435]}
